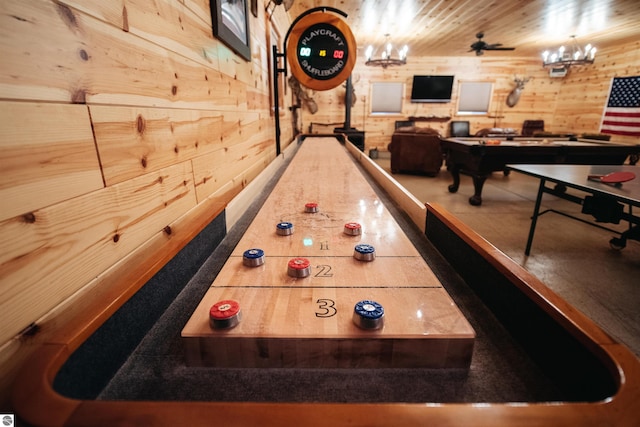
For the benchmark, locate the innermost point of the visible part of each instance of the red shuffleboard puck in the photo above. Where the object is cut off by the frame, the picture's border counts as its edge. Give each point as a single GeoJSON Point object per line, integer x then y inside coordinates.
{"type": "Point", "coordinates": [311, 207]}
{"type": "Point", "coordinates": [299, 267]}
{"type": "Point", "coordinates": [224, 314]}
{"type": "Point", "coordinates": [352, 229]}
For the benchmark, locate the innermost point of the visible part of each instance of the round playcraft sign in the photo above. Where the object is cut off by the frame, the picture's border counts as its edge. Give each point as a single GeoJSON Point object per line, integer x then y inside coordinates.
{"type": "Point", "coordinates": [321, 51]}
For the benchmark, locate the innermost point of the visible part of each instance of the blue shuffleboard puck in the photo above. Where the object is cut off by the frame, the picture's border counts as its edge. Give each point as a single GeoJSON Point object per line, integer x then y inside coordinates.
{"type": "Point", "coordinates": [284, 228]}
{"type": "Point", "coordinates": [364, 252]}
{"type": "Point", "coordinates": [253, 257]}
{"type": "Point", "coordinates": [368, 314]}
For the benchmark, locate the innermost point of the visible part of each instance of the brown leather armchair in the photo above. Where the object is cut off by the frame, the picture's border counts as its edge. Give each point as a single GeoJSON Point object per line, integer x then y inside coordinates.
{"type": "Point", "coordinates": [415, 150]}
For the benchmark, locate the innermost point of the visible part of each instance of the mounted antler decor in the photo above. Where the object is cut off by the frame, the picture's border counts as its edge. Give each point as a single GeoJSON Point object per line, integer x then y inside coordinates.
{"type": "Point", "coordinates": [302, 95]}
{"type": "Point", "coordinates": [514, 95]}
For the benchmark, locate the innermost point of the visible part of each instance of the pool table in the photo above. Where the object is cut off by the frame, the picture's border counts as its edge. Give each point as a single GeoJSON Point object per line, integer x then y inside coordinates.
{"type": "Point", "coordinates": [479, 157]}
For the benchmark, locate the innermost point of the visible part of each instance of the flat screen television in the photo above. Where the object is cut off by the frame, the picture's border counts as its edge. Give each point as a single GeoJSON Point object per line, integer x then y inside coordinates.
{"type": "Point", "coordinates": [431, 88]}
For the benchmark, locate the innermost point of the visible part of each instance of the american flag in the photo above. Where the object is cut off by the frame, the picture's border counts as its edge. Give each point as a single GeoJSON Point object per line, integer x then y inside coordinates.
{"type": "Point", "coordinates": [622, 115]}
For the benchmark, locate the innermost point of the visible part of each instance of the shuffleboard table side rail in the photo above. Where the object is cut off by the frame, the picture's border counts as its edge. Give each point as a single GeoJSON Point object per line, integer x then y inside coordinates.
{"type": "Point", "coordinates": [568, 344]}
{"type": "Point", "coordinates": [34, 393]}
{"type": "Point", "coordinates": [407, 201]}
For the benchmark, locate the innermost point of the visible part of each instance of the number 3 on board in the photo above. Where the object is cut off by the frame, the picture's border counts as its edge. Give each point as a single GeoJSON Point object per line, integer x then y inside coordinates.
{"type": "Point", "coordinates": [327, 308]}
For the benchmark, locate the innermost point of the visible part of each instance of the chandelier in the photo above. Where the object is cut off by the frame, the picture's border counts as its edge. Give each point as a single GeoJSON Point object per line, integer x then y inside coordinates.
{"type": "Point", "coordinates": [566, 57]}
{"type": "Point", "coordinates": [386, 59]}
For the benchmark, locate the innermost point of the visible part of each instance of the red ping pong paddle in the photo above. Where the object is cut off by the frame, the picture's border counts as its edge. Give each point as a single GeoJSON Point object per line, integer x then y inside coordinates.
{"type": "Point", "coordinates": [613, 177]}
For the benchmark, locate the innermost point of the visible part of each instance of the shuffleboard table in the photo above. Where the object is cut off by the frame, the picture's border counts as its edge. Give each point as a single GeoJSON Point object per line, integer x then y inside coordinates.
{"type": "Point", "coordinates": [602, 376]}
{"type": "Point", "coordinates": [479, 157]}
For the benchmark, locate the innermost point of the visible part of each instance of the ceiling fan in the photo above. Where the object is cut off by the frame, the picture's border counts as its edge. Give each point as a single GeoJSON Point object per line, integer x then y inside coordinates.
{"type": "Point", "coordinates": [480, 46]}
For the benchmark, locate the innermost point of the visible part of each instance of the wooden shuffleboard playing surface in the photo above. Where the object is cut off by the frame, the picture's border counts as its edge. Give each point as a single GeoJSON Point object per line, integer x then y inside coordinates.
{"type": "Point", "coordinates": [307, 322]}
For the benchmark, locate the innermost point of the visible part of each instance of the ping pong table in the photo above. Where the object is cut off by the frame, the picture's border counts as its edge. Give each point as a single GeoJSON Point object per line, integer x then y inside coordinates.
{"type": "Point", "coordinates": [604, 202]}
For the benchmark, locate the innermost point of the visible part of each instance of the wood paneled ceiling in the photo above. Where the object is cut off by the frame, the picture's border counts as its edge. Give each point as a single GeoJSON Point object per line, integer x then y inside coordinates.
{"type": "Point", "coordinates": [449, 27]}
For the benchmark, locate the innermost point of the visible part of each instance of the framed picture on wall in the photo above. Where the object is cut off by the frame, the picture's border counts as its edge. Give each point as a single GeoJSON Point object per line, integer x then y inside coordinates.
{"type": "Point", "coordinates": [231, 25]}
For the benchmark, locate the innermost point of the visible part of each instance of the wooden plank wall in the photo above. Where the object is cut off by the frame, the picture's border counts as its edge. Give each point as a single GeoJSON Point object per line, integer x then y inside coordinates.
{"type": "Point", "coordinates": [117, 118]}
{"type": "Point", "coordinates": [573, 103]}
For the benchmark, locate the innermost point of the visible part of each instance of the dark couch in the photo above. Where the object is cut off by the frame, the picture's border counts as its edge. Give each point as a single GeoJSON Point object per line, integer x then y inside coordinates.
{"type": "Point", "coordinates": [415, 150]}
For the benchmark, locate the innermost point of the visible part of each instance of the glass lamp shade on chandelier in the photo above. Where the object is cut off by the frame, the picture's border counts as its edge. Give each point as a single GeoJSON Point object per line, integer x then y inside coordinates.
{"type": "Point", "coordinates": [387, 55]}
{"type": "Point", "coordinates": [574, 55]}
